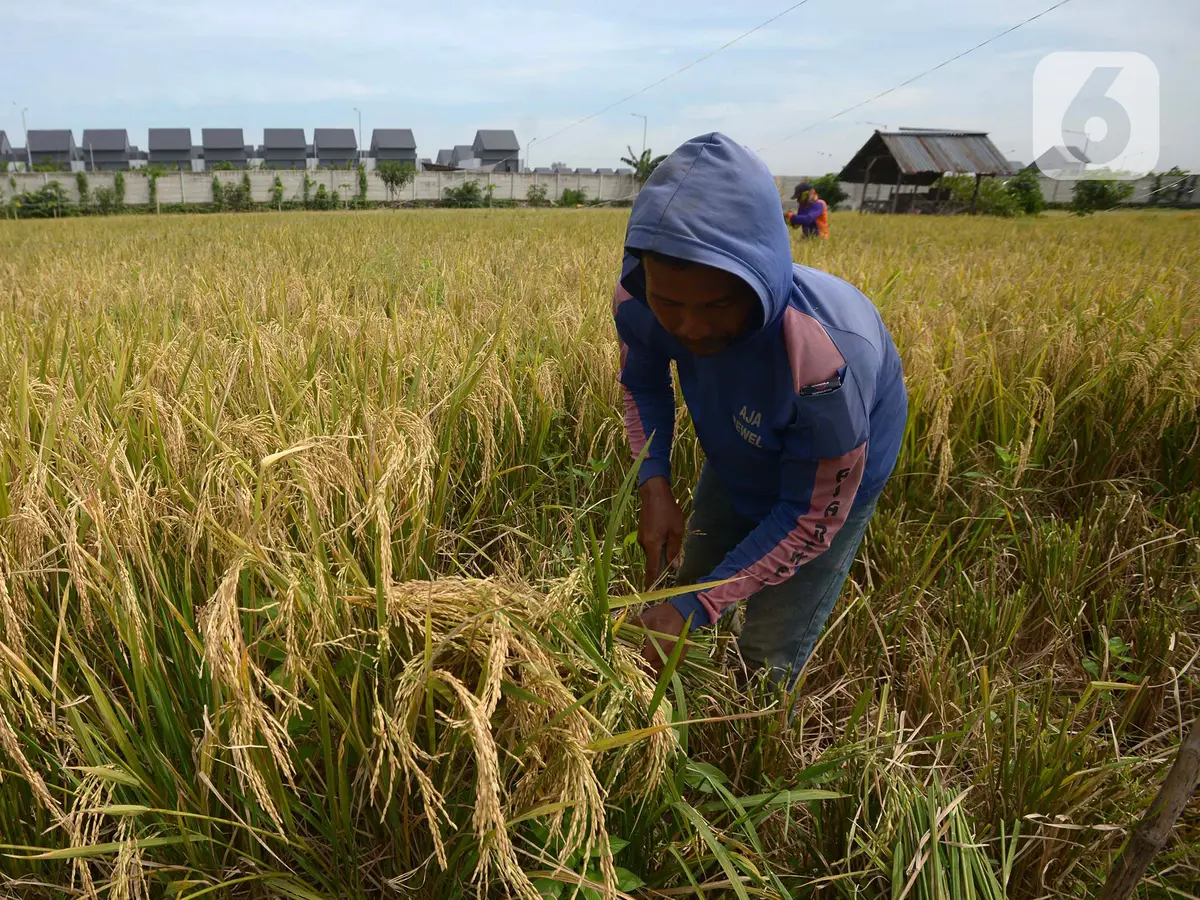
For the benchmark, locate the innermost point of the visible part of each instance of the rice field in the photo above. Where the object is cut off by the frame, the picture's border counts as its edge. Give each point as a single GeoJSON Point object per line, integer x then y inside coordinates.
{"type": "Point", "coordinates": [316, 543]}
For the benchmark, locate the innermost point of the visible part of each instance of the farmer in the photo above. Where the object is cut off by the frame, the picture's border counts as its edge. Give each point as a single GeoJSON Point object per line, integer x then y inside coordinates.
{"type": "Point", "coordinates": [795, 389]}
{"type": "Point", "coordinates": [812, 215]}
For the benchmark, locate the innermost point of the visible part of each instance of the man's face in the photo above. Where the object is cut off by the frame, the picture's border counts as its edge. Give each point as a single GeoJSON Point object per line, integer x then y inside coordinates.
{"type": "Point", "coordinates": [701, 307]}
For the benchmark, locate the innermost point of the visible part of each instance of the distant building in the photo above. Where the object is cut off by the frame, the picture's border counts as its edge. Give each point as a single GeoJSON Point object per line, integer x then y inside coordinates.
{"type": "Point", "coordinates": [461, 153]}
{"type": "Point", "coordinates": [604, 172]}
{"type": "Point", "coordinates": [444, 157]}
{"type": "Point", "coordinates": [170, 148]}
{"type": "Point", "coordinates": [497, 148]}
{"type": "Point", "coordinates": [53, 147]}
{"type": "Point", "coordinates": [394, 144]}
{"type": "Point", "coordinates": [1062, 162]}
{"type": "Point", "coordinates": [584, 172]}
{"type": "Point", "coordinates": [223, 146]}
{"type": "Point", "coordinates": [6, 152]}
{"type": "Point", "coordinates": [106, 149]}
{"type": "Point", "coordinates": [335, 147]}
{"type": "Point", "coordinates": [284, 148]}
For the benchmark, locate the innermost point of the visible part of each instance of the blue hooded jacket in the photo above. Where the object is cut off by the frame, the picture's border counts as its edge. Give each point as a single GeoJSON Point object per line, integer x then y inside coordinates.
{"type": "Point", "coordinates": [798, 417]}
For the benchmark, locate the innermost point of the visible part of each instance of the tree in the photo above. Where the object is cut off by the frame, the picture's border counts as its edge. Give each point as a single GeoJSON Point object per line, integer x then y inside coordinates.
{"type": "Point", "coordinates": [1091, 195]}
{"type": "Point", "coordinates": [643, 165]}
{"type": "Point", "coordinates": [830, 190]}
{"type": "Point", "coordinates": [395, 175]}
{"type": "Point", "coordinates": [1026, 192]}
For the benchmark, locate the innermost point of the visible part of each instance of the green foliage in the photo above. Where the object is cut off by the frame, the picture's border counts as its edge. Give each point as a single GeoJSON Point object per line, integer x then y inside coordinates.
{"type": "Point", "coordinates": [572, 197]}
{"type": "Point", "coordinates": [536, 195]}
{"type": "Point", "coordinates": [395, 175]}
{"type": "Point", "coordinates": [992, 199]}
{"type": "Point", "coordinates": [1091, 195]}
{"type": "Point", "coordinates": [106, 201]}
{"type": "Point", "coordinates": [467, 195]}
{"type": "Point", "coordinates": [361, 197]}
{"type": "Point", "coordinates": [829, 189]}
{"type": "Point", "coordinates": [322, 198]}
{"type": "Point", "coordinates": [218, 193]}
{"type": "Point", "coordinates": [306, 190]}
{"type": "Point", "coordinates": [153, 173]}
{"type": "Point", "coordinates": [48, 202]}
{"type": "Point", "coordinates": [81, 185]}
{"type": "Point", "coordinates": [1026, 192]}
{"type": "Point", "coordinates": [643, 163]}
{"type": "Point", "coordinates": [51, 167]}
{"type": "Point", "coordinates": [223, 165]}
{"type": "Point", "coordinates": [119, 188]}
{"type": "Point", "coordinates": [277, 193]}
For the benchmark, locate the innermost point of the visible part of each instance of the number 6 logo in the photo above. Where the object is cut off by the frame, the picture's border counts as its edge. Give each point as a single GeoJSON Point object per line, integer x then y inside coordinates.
{"type": "Point", "coordinates": [1095, 115]}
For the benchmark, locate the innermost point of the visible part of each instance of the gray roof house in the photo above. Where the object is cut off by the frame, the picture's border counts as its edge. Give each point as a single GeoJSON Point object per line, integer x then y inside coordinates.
{"type": "Point", "coordinates": [284, 148]}
{"type": "Point", "coordinates": [498, 148]}
{"type": "Point", "coordinates": [223, 145]}
{"type": "Point", "coordinates": [461, 153]}
{"type": "Point", "coordinates": [444, 157]}
{"type": "Point", "coordinates": [335, 147]}
{"type": "Point", "coordinates": [604, 172]}
{"type": "Point", "coordinates": [106, 149]}
{"type": "Point", "coordinates": [6, 150]}
{"type": "Point", "coordinates": [55, 147]}
{"type": "Point", "coordinates": [170, 148]}
{"type": "Point", "coordinates": [397, 144]}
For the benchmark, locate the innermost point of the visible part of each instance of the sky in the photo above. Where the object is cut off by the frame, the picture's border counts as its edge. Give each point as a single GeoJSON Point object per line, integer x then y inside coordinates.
{"type": "Point", "coordinates": [538, 67]}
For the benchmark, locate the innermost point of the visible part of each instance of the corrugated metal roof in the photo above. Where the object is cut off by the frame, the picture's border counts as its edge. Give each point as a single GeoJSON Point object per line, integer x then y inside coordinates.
{"type": "Point", "coordinates": [334, 139]}
{"type": "Point", "coordinates": [106, 140]}
{"type": "Point", "coordinates": [50, 140]}
{"type": "Point", "coordinates": [928, 152]}
{"type": "Point", "coordinates": [494, 140]}
{"type": "Point", "coordinates": [284, 139]}
{"type": "Point", "coordinates": [222, 139]}
{"type": "Point", "coordinates": [170, 139]}
{"type": "Point", "coordinates": [393, 139]}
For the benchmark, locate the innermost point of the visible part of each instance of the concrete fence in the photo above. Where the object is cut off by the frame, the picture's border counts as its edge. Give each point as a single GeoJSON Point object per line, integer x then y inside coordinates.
{"type": "Point", "coordinates": [189, 187]}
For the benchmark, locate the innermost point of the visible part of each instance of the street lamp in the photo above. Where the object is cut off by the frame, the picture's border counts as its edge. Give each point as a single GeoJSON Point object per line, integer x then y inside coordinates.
{"type": "Point", "coordinates": [28, 153]}
{"type": "Point", "coordinates": [644, 120]}
{"type": "Point", "coordinates": [360, 147]}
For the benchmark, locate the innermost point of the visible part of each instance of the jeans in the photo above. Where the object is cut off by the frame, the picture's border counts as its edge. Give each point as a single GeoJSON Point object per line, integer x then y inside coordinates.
{"type": "Point", "coordinates": [783, 621]}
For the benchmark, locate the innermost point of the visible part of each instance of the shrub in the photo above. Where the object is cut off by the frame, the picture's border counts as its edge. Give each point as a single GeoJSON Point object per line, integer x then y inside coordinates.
{"type": "Point", "coordinates": [106, 201]}
{"type": "Point", "coordinates": [467, 195]}
{"type": "Point", "coordinates": [572, 197]}
{"type": "Point", "coordinates": [536, 195]}
{"type": "Point", "coordinates": [119, 188]}
{"type": "Point", "coordinates": [218, 193]}
{"type": "Point", "coordinates": [277, 193]}
{"type": "Point", "coordinates": [395, 175]}
{"type": "Point", "coordinates": [1091, 195]}
{"type": "Point", "coordinates": [1026, 192]}
{"type": "Point", "coordinates": [992, 199]}
{"type": "Point", "coordinates": [48, 202]}
{"type": "Point", "coordinates": [81, 185]}
{"type": "Point", "coordinates": [829, 189]}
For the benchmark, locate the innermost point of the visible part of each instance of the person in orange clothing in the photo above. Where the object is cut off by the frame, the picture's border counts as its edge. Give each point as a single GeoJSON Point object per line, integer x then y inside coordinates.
{"type": "Point", "coordinates": [812, 216]}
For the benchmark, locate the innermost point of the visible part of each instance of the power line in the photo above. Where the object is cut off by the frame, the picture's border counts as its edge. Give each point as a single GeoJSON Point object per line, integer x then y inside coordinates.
{"type": "Point", "coordinates": [909, 81]}
{"type": "Point", "coordinates": [674, 74]}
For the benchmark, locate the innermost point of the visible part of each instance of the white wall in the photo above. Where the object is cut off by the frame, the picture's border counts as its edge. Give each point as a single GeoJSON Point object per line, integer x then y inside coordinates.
{"type": "Point", "coordinates": [187, 187]}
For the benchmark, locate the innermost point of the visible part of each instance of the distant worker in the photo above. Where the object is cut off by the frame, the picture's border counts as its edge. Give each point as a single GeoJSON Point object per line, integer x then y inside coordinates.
{"type": "Point", "coordinates": [812, 215]}
{"type": "Point", "coordinates": [795, 390]}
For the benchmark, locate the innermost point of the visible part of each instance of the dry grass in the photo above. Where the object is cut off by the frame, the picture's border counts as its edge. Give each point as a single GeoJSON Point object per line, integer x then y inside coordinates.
{"type": "Point", "coordinates": [308, 526]}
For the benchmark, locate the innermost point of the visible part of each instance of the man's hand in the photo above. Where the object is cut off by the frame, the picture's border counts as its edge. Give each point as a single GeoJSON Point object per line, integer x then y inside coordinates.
{"type": "Point", "coordinates": [664, 619]}
{"type": "Point", "coordinates": [660, 531]}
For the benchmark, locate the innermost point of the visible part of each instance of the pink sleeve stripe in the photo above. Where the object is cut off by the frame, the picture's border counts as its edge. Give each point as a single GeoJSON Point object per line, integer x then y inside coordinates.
{"type": "Point", "coordinates": [633, 419]}
{"type": "Point", "coordinates": [810, 349]}
{"type": "Point", "coordinates": [834, 488]}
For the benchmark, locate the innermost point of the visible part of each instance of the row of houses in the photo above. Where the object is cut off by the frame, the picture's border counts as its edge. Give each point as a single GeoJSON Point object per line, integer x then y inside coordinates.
{"type": "Point", "coordinates": [282, 148]}
{"type": "Point", "coordinates": [499, 151]}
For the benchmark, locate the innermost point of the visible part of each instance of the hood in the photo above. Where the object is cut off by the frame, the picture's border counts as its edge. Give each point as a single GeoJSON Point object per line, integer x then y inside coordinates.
{"type": "Point", "coordinates": [713, 202]}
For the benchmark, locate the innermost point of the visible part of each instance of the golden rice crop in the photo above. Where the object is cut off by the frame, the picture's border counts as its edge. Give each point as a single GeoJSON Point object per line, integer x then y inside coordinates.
{"type": "Point", "coordinates": [309, 525]}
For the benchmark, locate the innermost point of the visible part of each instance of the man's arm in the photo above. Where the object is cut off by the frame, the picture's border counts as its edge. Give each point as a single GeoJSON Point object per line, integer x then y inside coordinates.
{"type": "Point", "coordinates": [808, 215]}
{"type": "Point", "coordinates": [649, 395]}
{"type": "Point", "coordinates": [815, 499]}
